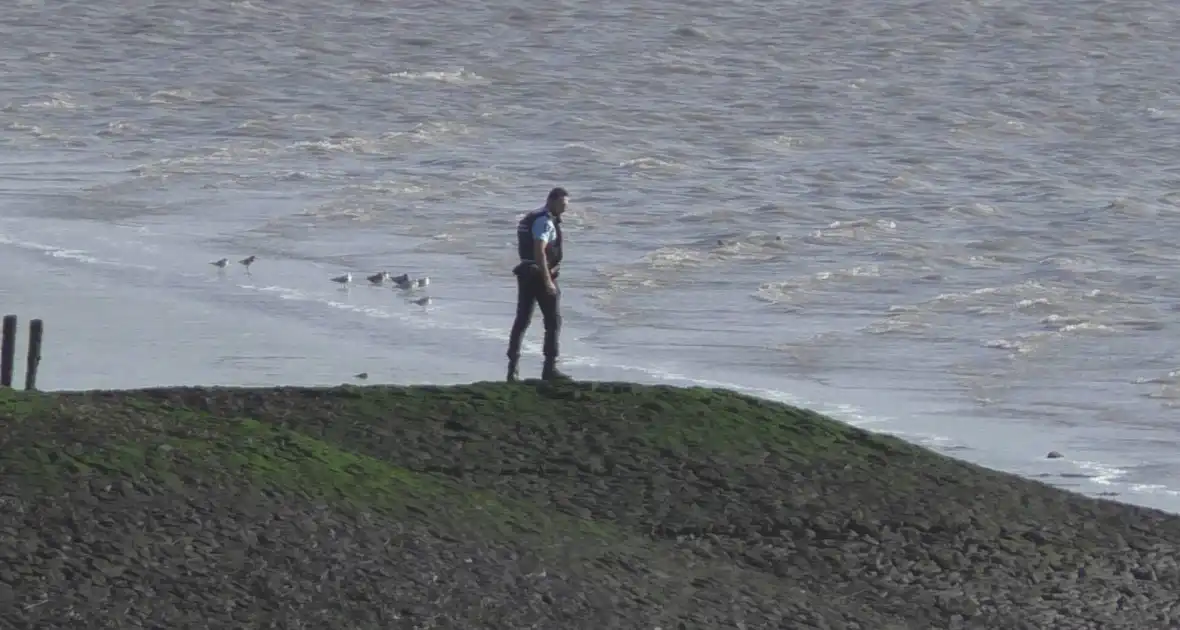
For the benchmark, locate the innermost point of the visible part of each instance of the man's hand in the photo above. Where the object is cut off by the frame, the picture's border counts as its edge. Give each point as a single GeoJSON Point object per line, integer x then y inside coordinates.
{"type": "Point", "coordinates": [550, 286]}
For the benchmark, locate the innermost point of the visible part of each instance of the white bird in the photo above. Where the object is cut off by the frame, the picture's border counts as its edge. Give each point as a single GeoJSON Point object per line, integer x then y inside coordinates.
{"type": "Point", "coordinates": [423, 301]}
{"type": "Point", "coordinates": [220, 263]}
{"type": "Point", "coordinates": [345, 279]}
{"type": "Point", "coordinates": [379, 277]}
{"type": "Point", "coordinates": [422, 282]}
{"type": "Point", "coordinates": [247, 261]}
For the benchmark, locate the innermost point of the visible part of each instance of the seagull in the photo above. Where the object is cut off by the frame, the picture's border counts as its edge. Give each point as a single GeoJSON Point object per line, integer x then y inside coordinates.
{"type": "Point", "coordinates": [362, 375]}
{"type": "Point", "coordinates": [247, 261]}
{"type": "Point", "coordinates": [423, 301]}
{"type": "Point", "coordinates": [220, 264]}
{"type": "Point", "coordinates": [422, 282]}
{"type": "Point", "coordinates": [345, 279]}
{"type": "Point", "coordinates": [379, 277]}
{"type": "Point", "coordinates": [403, 281]}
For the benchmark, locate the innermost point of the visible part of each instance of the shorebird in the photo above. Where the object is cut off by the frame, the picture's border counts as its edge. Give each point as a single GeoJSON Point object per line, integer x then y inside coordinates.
{"type": "Point", "coordinates": [362, 375]}
{"type": "Point", "coordinates": [403, 282]}
{"type": "Point", "coordinates": [345, 279]}
{"type": "Point", "coordinates": [423, 301]}
{"type": "Point", "coordinates": [379, 277]}
{"type": "Point", "coordinates": [220, 264]}
{"type": "Point", "coordinates": [422, 282]}
{"type": "Point", "coordinates": [247, 261]}
{"type": "Point", "coordinates": [402, 279]}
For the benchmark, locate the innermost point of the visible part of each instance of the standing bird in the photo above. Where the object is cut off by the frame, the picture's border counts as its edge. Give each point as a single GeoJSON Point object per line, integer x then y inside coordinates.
{"type": "Point", "coordinates": [423, 301]}
{"type": "Point", "coordinates": [379, 277]}
{"type": "Point", "coordinates": [220, 264]}
{"type": "Point", "coordinates": [345, 279]}
{"type": "Point", "coordinates": [246, 262]}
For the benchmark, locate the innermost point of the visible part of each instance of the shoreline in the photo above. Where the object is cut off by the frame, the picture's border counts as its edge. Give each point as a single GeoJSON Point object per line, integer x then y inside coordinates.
{"type": "Point", "coordinates": [588, 504]}
{"type": "Point", "coordinates": [286, 329]}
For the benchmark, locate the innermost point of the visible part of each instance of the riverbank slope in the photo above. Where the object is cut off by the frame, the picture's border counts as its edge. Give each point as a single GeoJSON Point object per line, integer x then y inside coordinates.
{"type": "Point", "coordinates": [605, 505]}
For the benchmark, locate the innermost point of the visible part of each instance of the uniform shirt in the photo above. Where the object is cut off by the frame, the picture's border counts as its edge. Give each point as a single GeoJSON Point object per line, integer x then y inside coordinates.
{"type": "Point", "coordinates": [543, 231]}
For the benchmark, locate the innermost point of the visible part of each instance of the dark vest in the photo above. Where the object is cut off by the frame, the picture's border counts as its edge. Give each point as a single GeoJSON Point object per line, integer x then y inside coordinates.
{"type": "Point", "coordinates": [524, 237]}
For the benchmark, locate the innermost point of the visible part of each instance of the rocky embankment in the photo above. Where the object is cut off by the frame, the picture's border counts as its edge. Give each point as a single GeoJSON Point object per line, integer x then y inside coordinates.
{"type": "Point", "coordinates": [532, 506]}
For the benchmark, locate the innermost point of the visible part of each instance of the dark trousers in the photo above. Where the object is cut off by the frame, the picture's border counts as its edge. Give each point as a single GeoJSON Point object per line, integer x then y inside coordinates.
{"type": "Point", "coordinates": [530, 293]}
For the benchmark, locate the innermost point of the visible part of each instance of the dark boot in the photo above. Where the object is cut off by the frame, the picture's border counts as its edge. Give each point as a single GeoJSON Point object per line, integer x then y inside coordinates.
{"type": "Point", "coordinates": [551, 373]}
{"type": "Point", "coordinates": [513, 373]}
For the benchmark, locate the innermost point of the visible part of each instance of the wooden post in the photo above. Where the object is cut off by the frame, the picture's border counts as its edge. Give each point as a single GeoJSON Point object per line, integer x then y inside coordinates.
{"type": "Point", "coordinates": [7, 350]}
{"type": "Point", "coordinates": [36, 329]}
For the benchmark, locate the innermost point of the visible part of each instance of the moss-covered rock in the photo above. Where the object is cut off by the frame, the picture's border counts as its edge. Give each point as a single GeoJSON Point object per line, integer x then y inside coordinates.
{"type": "Point", "coordinates": [534, 505]}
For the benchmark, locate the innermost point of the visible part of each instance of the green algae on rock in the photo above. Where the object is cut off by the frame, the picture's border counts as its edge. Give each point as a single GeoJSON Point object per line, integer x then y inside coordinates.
{"type": "Point", "coordinates": [536, 505]}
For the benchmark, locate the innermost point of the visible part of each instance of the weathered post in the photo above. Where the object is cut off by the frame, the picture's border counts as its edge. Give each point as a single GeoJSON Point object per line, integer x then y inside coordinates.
{"type": "Point", "coordinates": [36, 329]}
{"type": "Point", "coordinates": [7, 350]}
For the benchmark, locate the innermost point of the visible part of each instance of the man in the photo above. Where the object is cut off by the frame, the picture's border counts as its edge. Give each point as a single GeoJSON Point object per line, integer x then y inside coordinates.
{"type": "Point", "coordinates": [538, 236]}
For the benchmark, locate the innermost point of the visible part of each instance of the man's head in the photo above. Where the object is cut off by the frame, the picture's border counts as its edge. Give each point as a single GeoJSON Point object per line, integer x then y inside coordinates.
{"type": "Point", "coordinates": [556, 201]}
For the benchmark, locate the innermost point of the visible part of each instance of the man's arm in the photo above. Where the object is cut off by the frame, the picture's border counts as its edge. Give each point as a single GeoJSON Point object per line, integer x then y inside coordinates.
{"type": "Point", "coordinates": [543, 232]}
{"type": "Point", "coordinates": [539, 256]}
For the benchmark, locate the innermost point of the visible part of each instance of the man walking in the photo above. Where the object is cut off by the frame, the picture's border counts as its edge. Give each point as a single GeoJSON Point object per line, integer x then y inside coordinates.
{"type": "Point", "coordinates": [539, 239]}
